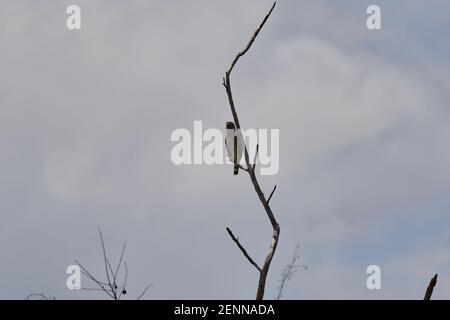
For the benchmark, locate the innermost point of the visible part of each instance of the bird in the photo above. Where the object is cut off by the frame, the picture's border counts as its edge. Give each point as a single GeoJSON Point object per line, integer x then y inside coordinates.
{"type": "Point", "coordinates": [234, 145]}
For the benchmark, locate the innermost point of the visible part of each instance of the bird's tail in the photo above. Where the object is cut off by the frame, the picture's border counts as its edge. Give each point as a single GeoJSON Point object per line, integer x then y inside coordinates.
{"type": "Point", "coordinates": [236, 169]}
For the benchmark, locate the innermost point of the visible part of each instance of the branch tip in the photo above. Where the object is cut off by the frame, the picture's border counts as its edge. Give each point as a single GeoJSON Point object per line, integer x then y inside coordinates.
{"type": "Point", "coordinates": [271, 194]}
{"type": "Point", "coordinates": [236, 240]}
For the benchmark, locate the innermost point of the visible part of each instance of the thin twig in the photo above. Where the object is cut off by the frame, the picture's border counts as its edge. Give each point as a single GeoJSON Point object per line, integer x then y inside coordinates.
{"type": "Point", "coordinates": [241, 167]}
{"type": "Point", "coordinates": [124, 284]}
{"type": "Point", "coordinates": [243, 250]}
{"type": "Point", "coordinates": [120, 260]}
{"type": "Point", "coordinates": [252, 39]}
{"type": "Point", "coordinates": [41, 296]}
{"type": "Point", "coordinates": [271, 194]}
{"type": "Point", "coordinates": [289, 272]}
{"type": "Point", "coordinates": [107, 264]}
{"type": "Point", "coordinates": [255, 158]}
{"type": "Point", "coordinates": [143, 292]}
{"type": "Point", "coordinates": [110, 286]}
{"type": "Point", "coordinates": [90, 276]}
{"type": "Point", "coordinates": [92, 289]}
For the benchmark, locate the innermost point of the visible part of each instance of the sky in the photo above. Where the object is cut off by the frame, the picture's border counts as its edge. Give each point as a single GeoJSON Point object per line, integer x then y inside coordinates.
{"type": "Point", "coordinates": [86, 118]}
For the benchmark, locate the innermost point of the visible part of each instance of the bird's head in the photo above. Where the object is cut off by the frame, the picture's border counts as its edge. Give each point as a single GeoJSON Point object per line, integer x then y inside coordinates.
{"type": "Point", "coordinates": [230, 125]}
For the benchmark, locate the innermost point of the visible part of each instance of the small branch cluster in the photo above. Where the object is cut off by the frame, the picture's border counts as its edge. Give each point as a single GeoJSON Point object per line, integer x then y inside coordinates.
{"type": "Point", "coordinates": [289, 271]}
{"type": "Point", "coordinates": [112, 286]}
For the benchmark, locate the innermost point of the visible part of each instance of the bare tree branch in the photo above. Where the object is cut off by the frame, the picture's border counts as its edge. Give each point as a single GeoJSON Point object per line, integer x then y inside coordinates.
{"type": "Point", "coordinates": [430, 287]}
{"type": "Point", "coordinates": [120, 260]}
{"type": "Point", "coordinates": [102, 285]}
{"type": "Point", "coordinates": [118, 265]}
{"type": "Point", "coordinates": [39, 296]}
{"type": "Point", "coordinates": [271, 194]}
{"type": "Point", "coordinates": [110, 286]}
{"type": "Point", "coordinates": [108, 267]}
{"type": "Point", "coordinates": [256, 157]}
{"type": "Point", "coordinates": [249, 44]}
{"type": "Point", "coordinates": [123, 289]}
{"type": "Point", "coordinates": [143, 292]}
{"type": "Point", "coordinates": [275, 226]}
{"type": "Point", "coordinates": [243, 250]}
{"type": "Point", "coordinates": [93, 289]}
{"type": "Point", "coordinates": [241, 167]}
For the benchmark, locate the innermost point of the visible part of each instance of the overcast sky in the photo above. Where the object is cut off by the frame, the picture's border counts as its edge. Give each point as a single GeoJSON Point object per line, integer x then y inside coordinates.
{"type": "Point", "coordinates": [86, 118]}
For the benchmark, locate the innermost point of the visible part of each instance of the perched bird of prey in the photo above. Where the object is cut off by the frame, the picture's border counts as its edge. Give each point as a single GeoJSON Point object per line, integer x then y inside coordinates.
{"type": "Point", "coordinates": [234, 145]}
